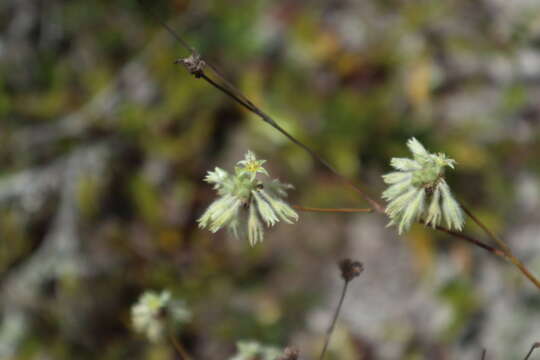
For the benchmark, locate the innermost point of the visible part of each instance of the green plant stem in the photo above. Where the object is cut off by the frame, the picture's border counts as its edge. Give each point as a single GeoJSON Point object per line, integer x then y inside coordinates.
{"type": "Point", "coordinates": [334, 319]}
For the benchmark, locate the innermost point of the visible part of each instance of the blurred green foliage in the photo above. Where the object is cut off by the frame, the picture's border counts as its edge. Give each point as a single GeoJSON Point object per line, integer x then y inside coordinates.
{"type": "Point", "coordinates": [92, 230]}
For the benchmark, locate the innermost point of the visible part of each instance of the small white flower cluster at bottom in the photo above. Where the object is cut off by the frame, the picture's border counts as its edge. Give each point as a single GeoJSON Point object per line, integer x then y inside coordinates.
{"type": "Point", "coordinates": [252, 350]}
{"type": "Point", "coordinates": [154, 312]}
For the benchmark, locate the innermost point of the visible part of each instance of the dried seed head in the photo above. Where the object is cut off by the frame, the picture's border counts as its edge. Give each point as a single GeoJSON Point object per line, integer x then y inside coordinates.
{"type": "Point", "coordinates": [350, 269]}
{"type": "Point", "coordinates": [194, 64]}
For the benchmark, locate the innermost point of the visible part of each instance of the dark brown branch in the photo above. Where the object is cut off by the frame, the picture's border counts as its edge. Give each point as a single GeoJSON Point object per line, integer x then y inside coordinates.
{"type": "Point", "coordinates": [492, 236]}
{"type": "Point", "coordinates": [505, 248]}
{"type": "Point", "coordinates": [473, 241]}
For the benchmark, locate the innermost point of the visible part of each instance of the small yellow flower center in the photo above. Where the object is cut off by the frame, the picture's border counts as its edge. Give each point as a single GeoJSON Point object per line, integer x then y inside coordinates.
{"type": "Point", "coordinates": [252, 167]}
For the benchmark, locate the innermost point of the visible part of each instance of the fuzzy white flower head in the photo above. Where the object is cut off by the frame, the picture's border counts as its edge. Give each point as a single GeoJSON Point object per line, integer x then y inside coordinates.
{"type": "Point", "coordinates": [252, 350]}
{"type": "Point", "coordinates": [246, 203]}
{"type": "Point", "coordinates": [418, 190]}
{"type": "Point", "coordinates": [153, 312]}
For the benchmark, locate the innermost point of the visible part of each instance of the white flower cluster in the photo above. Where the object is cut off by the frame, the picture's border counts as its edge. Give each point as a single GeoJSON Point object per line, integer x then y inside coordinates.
{"type": "Point", "coordinates": [245, 202]}
{"type": "Point", "coordinates": [252, 350]}
{"type": "Point", "coordinates": [153, 312]}
{"type": "Point", "coordinates": [419, 191]}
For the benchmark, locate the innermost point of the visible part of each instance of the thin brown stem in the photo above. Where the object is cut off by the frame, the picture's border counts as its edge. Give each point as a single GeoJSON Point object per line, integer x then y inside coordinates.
{"type": "Point", "coordinates": [473, 241]}
{"type": "Point", "coordinates": [483, 354]}
{"type": "Point", "coordinates": [533, 347]}
{"type": "Point", "coordinates": [178, 347]}
{"type": "Point", "coordinates": [492, 236]}
{"type": "Point", "coordinates": [334, 319]}
{"type": "Point", "coordinates": [242, 100]}
{"type": "Point", "coordinates": [328, 210]}
{"type": "Point", "coordinates": [505, 248]}
{"type": "Point", "coordinates": [230, 90]}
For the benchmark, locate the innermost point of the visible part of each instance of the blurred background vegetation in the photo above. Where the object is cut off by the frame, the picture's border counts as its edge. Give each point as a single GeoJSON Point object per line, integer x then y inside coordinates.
{"type": "Point", "coordinates": [104, 143]}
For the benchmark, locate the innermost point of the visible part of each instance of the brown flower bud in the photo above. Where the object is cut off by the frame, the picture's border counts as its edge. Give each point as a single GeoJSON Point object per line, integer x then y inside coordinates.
{"type": "Point", "coordinates": [350, 269]}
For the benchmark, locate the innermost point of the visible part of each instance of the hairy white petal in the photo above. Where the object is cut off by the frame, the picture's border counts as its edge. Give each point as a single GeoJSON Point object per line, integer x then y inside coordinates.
{"type": "Point", "coordinates": [397, 189]}
{"type": "Point", "coordinates": [210, 212]}
{"type": "Point", "coordinates": [285, 212]}
{"type": "Point", "coordinates": [452, 212]}
{"type": "Point", "coordinates": [226, 215]}
{"type": "Point", "coordinates": [399, 204]}
{"type": "Point", "coordinates": [434, 212]}
{"type": "Point", "coordinates": [255, 227]}
{"type": "Point", "coordinates": [404, 164]}
{"type": "Point", "coordinates": [413, 211]}
{"type": "Point", "coordinates": [219, 213]}
{"type": "Point", "coordinates": [416, 147]}
{"type": "Point", "coordinates": [216, 177]}
{"type": "Point", "coordinates": [277, 187]}
{"type": "Point", "coordinates": [234, 227]}
{"type": "Point", "coordinates": [396, 177]}
{"type": "Point", "coordinates": [265, 210]}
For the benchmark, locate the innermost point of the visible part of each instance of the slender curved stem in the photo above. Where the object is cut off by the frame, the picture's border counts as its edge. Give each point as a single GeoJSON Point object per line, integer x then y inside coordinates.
{"type": "Point", "coordinates": [178, 347]}
{"type": "Point", "coordinates": [237, 96]}
{"type": "Point", "coordinates": [334, 319]}
{"type": "Point", "coordinates": [332, 210]}
{"type": "Point", "coordinates": [504, 247]}
{"type": "Point", "coordinates": [495, 238]}
{"type": "Point", "coordinates": [229, 89]}
{"type": "Point", "coordinates": [533, 347]}
{"type": "Point", "coordinates": [473, 241]}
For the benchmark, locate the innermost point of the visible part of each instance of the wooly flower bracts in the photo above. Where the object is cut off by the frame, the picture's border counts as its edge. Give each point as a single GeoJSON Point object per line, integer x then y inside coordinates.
{"type": "Point", "coordinates": [246, 203]}
{"type": "Point", "coordinates": [419, 191]}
